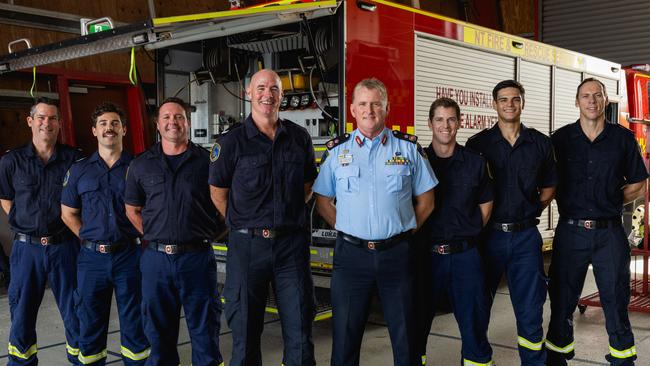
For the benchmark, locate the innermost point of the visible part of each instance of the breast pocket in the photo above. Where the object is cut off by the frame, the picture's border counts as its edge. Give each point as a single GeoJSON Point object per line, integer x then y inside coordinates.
{"type": "Point", "coordinates": [253, 172]}
{"type": "Point", "coordinates": [89, 193]}
{"type": "Point", "coordinates": [26, 184]}
{"type": "Point", "coordinates": [463, 191]}
{"type": "Point", "coordinates": [398, 177]}
{"type": "Point", "coordinates": [347, 179]}
{"type": "Point", "coordinates": [153, 186]}
{"type": "Point", "coordinates": [294, 167]}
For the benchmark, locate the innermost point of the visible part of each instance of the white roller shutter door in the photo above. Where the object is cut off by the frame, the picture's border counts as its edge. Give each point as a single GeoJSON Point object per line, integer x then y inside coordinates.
{"type": "Point", "coordinates": [464, 74]}
{"type": "Point", "coordinates": [536, 79]}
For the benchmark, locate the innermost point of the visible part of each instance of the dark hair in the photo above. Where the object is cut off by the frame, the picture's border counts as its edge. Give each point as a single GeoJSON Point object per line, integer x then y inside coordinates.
{"type": "Point", "coordinates": [508, 84]}
{"type": "Point", "coordinates": [42, 100]}
{"type": "Point", "coordinates": [587, 80]}
{"type": "Point", "coordinates": [178, 101]}
{"type": "Point", "coordinates": [444, 102]}
{"type": "Point", "coordinates": [107, 107]}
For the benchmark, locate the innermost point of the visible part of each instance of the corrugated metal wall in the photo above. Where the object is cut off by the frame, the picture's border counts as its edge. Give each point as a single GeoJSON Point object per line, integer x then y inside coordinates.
{"type": "Point", "coordinates": [617, 31]}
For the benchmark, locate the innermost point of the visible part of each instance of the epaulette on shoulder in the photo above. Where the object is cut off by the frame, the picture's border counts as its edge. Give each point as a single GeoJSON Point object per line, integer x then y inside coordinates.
{"type": "Point", "coordinates": [80, 159]}
{"type": "Point", "coordinates": [337, 141]}
{"type": "Point", "coordinates": [405, 136]}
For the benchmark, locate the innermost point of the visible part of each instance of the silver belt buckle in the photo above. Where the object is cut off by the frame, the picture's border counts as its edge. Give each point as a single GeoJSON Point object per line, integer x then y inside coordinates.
{"type": "Point", "coordinates": [266, 233]}
{"type": "Point", "coordinates": [372, 245]}
{"type": "Point", "coordinates": [171, 249]}
{"type": "Point", "coordinates": [45, 240]}
{"type": "Point", "coordinates": [590, 224]}
{"type": "Point", "coordinates": [443, 249]}
{"type": "Point", "coordinates": [103, 248]}
{"type": "Point", "coordinates": [505, 227]}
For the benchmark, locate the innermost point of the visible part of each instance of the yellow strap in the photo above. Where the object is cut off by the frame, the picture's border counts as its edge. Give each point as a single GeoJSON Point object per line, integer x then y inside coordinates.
{"type": "Point", "coordinates": [135, 356]}
{"type": "Point", "coordinates": [132, 70]}
{"type": "Point", "coordinates": [530, 345]}
{"type": "Point", "coordinates": [13, 351]}
{"type": "Point", "coordinates": [622, 354]}
{"type": "Point", "coordinates": [92, 358]}
{"type": "Point", "coordinates": [558, 349]}
{"type": "Point", "coordinates": [31, 91]}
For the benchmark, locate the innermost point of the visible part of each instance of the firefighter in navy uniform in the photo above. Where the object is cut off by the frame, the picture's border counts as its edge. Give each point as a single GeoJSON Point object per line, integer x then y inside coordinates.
{"type": "Point", "coordinates": [167, 199]}
{"type": "Point", "coordinates": [450, 235]}
{"type": "Point", "coordinates": [44, 250]}
{"type": "Point", "coordinates": [384, 190]}
{"type": "Point", "coordinates": [523, 167]}
{"type": "Point", "coordinates": [261, 176]}
{"type": "Point", "coordinates": [92, 206]}
{"type": "Point", "coordinates": [599, 169]}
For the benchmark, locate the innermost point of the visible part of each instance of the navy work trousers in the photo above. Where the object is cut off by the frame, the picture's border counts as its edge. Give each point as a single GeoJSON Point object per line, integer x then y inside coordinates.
{"type": "Point", "coordinates": [32, 265]}
{"type": "Point", "coordinates": [460, 280]}
{"type": "Point", "coordinates": [254, 262]}
{"type": "Point", "coordinates": [519, 255]}
{"type": "Point", "coordinates": [574, 248]}
{"type": "Point", "coordinates": [170, 281]}
{"type": "Point", "coordinates": [358, 274]}
{"type": "Point", "coordinates": [97, 275]}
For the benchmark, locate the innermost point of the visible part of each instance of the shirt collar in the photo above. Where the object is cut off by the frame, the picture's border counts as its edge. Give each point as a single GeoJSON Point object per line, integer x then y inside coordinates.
{"type": "Point", "coordinates": [458, 155]}
{"type": "Point", "coordinates": [125, 158]}
{"type": "Point", "coordinates": [360, 140]}
{"type": "Point", "coordinates": [31, 150]}
{"type": "Point", "coordinates": [252, 130]}
{"type": "Point", "coordinates": [576, 131]}
{"type": "Point", "coordinates": [524, 134]}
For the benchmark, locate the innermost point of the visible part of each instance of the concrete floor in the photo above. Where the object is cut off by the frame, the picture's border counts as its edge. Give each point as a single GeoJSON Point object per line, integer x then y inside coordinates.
{"type": "Point", "coordinates": [443, 347]}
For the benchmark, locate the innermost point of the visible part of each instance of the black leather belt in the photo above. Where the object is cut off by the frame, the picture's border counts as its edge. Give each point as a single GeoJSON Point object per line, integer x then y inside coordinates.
{"type": "Point", "coordinates": [592, 224]}
{"type": "Point", "coordinates": [42, 240]}
{"type": "Point", "coordinates": [377, 245]}
{"type": "Point", "coordinates": [266, 233]}
{"type": "Point", "coordinates": [452, 247]}
{"type": "Point", "coordinates": [179, 248]}
{"type": "Point", "coordinates": [507, 227]}
{"type": "Point", "coordinates": [106, 247]}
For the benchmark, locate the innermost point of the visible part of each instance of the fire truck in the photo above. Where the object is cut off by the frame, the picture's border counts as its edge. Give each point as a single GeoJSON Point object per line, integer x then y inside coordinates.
{"type": "Point", "coordinates": [321, 48]}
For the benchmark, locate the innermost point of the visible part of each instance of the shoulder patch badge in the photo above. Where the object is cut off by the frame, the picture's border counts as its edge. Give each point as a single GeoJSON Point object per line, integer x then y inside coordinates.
{"type": "Point", "coordinates": [66, 178]}
{"type": "Point", "coordinates": [337, 141]}
{"type": "Point", "coordinates": [405, 136]}
{"type": "Point", "coordinates": [215, 151]}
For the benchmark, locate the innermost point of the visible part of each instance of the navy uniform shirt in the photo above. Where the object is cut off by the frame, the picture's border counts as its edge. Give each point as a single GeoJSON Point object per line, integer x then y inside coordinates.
{"type": "Point", "coordinates": [176, 204]}
{"type": "Point", "coordinates": [592, 174]}
{"type": "Point", "coordinates": [35, 188]}
{"type": "Point", "coordinates": [519, 171]}
{"type": "Point", "coordinates": [464, 184]}
{"type": "Point", "coordinates": [98, 191]}
{"type": "Point", "coordinates": [266, 178]}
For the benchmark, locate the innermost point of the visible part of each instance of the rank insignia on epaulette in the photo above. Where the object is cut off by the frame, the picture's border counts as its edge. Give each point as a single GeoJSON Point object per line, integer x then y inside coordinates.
{"type": "Point", "coordinates": [405, 136]}
{"type": "Point", "coordinates": [66, 178]}
{"type": "Point", "coordinates": [422, 152]}
{"type": "Point", "coordinates": [337, 141]}
{"type": "Point", "coordinates": [215, 151]}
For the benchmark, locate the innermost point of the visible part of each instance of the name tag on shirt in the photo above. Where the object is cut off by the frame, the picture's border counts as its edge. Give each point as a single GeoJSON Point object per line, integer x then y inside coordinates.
{"type": "Point", "coordinates": [345, 159]}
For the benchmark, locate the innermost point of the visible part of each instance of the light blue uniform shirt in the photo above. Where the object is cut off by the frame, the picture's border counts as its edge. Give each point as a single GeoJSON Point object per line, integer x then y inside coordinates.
{"type": "Point", "coordinates": [374, 184]}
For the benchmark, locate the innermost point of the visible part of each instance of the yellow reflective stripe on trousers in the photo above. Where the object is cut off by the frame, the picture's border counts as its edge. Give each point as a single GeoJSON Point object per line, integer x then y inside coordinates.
{"type": "Point", "coordinates": [135, 356]}
{"type": "Point", "coordinates": [92, 358]}
{"type": "Point", "coordinates": [467, 362]}
{"type": "Point", "coordinates": [424, 360]}
{"type": "Point", "coordinates": [71, 350]}
{"type": "Point", "coordinates": [622, 354]}
{"type": "Point", "coordinates": [530, 345]}
{"type": "Point", "coordinates": [554, 348]}
{"type": "Point", "coordinates": [13, 351]}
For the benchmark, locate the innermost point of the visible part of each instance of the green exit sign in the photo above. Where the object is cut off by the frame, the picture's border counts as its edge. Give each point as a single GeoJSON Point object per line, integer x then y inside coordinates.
{"type": "Point", "coordinates": [96, 28]}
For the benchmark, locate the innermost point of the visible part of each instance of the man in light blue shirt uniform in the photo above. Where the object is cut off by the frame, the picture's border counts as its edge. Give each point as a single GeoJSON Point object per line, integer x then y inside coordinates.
{"type": "Point", "coordinates": [383, 186]}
